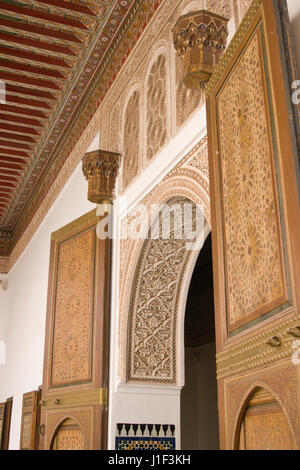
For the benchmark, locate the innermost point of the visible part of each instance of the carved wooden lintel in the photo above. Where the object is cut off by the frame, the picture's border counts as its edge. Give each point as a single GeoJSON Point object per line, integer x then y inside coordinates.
{"type": "Point", "coordinates": [101, 169]}
{"type": "Point", "coordinates": [200, 40]}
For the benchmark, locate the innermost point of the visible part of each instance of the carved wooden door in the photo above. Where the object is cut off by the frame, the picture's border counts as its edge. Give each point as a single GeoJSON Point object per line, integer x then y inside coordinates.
{"type": "Point", "coordinates": [5, 419]}
{"type": "Point", "coordinates": [2, 423]}
{"type": "Point", "coordinates": [29, 421]}
{"type": "Point", "coordinates": [255, 220]}
{"type": "Point", "coordinates": [74, 403]}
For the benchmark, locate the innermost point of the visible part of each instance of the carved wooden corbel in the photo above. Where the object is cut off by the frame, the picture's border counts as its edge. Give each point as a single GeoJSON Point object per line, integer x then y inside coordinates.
{"type": "Point", "coordinates": [101, 169]}
{"type": "Point", "coordinates": [200, 40]}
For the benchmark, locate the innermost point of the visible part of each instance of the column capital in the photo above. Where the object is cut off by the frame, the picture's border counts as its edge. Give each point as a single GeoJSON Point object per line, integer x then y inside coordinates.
{"type": "Point", "coordinates": [101, 168]}
{"type": "Point", "coordinates": [200, 40]}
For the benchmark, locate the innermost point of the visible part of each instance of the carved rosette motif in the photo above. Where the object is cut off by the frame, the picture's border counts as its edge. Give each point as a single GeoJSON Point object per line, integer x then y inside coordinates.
{"type": "Point", "coordinates": [156, 107]}
{"type": "Point", "coordinates": [200, 40]}
{"type": "Point", "coordinates": [101, 169]}
{"type": "Point", "coordinates": [131, 139]}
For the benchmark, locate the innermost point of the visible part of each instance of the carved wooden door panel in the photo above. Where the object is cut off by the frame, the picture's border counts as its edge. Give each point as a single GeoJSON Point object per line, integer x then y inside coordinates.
{"type": "Point", "coordinates": [255, 216]}
{"type": "Point", "coordinates": [7, 421]}
{"type": "Point", "coordinates": [264, 425]}
{"type": "Point", "coordinates": [74, 403]}
{"type": "Point", "coordinates": [29, 421]}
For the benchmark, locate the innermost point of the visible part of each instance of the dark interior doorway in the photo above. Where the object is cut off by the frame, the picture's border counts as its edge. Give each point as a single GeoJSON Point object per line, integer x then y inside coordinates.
{"type": "Point", "coordinates": [199, 402]}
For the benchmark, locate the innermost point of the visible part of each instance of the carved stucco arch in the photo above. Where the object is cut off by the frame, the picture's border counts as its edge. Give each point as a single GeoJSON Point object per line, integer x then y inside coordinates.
{"type": "Point", "coordinates": [243, 404]}
{"type": "Point", "coordinates": [188, 179]}
{"type": "Point", "coordinates": [155, 349]}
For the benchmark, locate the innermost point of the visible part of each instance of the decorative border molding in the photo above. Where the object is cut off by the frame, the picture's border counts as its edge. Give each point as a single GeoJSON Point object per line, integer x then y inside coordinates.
{"type": "Point", "coordinates": [97, 396]}
{"type": "Point", "coordinates": [256, 352]}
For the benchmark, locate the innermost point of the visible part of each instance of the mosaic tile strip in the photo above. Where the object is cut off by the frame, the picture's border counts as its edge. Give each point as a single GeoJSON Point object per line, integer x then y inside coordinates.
{"type": "Point", "coordinates": [145, 443]}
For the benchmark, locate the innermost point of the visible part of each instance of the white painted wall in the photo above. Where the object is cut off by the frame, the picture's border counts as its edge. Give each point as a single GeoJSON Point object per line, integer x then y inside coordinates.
{"type": "Point", "coordinates": [23, 304]}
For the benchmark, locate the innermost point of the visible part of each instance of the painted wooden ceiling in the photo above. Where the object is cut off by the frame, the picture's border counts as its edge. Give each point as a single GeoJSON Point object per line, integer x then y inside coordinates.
{"type": "Point", "coordinates": [56, 63]}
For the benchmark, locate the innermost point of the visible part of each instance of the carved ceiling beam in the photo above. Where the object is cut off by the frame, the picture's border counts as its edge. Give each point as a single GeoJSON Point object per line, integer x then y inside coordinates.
{"type": "Point", "coordinates": [101, 169]}
{"type": "Point", "coordinates": [200, 40]}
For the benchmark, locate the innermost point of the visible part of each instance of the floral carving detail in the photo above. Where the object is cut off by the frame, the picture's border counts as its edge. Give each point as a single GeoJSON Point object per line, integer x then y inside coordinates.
{"type": "Point", "coordinates": [156, 107]}
{"type": "Point", "coordinates": [131, 139]}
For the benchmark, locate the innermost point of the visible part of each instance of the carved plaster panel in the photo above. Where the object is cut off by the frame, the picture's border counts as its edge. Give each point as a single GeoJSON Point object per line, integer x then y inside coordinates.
{"type": "Point", "coordinates": [156, 107]}
{"type": "Point", "coordinates": [131, 139]}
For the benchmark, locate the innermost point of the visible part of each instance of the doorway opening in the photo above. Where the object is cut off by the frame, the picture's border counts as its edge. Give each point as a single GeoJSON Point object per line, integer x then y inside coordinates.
{"type": "Point", "coordinates": [199, 399]}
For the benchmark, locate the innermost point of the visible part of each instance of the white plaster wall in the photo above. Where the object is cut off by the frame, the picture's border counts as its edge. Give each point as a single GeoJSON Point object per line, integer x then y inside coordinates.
{"type": "Point", "coordinates": [199, 401]}
{"type": "Point", "coordinates": [23, 304]}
